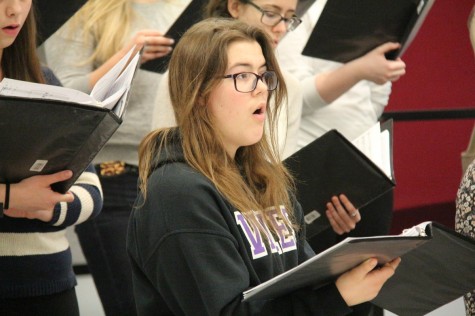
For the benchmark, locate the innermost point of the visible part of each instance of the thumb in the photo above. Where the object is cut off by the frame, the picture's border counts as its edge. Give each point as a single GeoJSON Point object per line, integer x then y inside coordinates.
{"type": "Point", "coordinates": [387, 47]}
{"type": "Point", "coordinates": [58, 176]}
{"type": "Point", "coordinates": [367, 266]}
{"type": "Point", "coordinates": [68, 197]}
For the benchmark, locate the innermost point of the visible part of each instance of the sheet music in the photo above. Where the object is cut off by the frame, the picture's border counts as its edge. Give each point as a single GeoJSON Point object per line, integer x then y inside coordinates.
{"type": "Point", "coordinates": [107, 91]}
{"type": "Point", "coordinates": [18, 88]}
{"type": "Point", "coordinates": [376, 146]}
{"type": "Point", "coordinates": [106, 86]}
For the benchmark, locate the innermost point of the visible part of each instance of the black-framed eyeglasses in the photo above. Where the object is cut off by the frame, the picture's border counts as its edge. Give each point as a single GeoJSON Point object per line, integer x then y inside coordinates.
{"type": "Point", "coordinates": [271, 18]}
{"type": "Point", "coordinates": [247, 81]}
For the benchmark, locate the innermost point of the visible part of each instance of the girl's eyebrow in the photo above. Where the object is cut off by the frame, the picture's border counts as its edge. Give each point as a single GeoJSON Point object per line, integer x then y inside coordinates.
{"type": "Point", "coordinates": [278, 9]}
{"type": "Point", "coordinates": [244, 64]}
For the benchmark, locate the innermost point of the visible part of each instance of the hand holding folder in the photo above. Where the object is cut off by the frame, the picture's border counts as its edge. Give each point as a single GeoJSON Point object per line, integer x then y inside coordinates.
{"type": "Point", "coordinates": [348, 29]}
{"type": "Point", "coordinates": [436, 268]}
{"type": "Point", "coordinates": [191, 15]}
{"type": "Point", "coordinates": [48, 128]}
{"type": "Point", "coordinates": [332, 165]}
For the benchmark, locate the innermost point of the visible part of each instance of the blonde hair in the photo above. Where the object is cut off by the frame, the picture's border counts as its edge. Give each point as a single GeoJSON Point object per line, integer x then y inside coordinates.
{"type": "Point", "coordinates": [255, 179]}
{"type": "Point", "coordinates": [105, 22]}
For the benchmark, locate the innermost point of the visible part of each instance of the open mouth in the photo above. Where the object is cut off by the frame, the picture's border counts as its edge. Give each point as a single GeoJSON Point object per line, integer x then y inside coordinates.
{"type": "Point", "coordinates": [260, 110]}
{"type": "Point", "coordinates": [11, 27]}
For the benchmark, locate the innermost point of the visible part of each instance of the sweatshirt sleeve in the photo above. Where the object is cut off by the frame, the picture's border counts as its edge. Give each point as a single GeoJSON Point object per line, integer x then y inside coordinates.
{"type": "Point", "coordinates": [87, 201]}
{"type": "Point", "coordinates": [198, 267]}
{"type": "Point", "coordinates": [66, 54]}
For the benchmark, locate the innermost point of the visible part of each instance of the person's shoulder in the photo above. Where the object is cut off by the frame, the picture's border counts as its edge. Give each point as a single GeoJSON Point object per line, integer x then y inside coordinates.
{"type": "Point", "coordinates": [178, 178]}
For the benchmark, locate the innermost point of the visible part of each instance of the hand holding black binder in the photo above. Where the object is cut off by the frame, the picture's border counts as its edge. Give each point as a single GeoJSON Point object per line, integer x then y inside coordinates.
{"type": "Point", "coordinates": [332, 165]}
{"type": "Point", "coordinates": [48, 128]}
{"type": "Point", "coordinates": [191, 15]}
{"type": "Point", "coordinates": [436, 268]}
{"type": "Point", "coordinates": [348, 29]}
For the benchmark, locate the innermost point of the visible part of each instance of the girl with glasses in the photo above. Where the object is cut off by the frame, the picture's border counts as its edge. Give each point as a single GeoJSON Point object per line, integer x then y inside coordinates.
{"type": "Point", "coordinates": [216, 214]}
{"type": "Point", "coordinates": [276, 18]}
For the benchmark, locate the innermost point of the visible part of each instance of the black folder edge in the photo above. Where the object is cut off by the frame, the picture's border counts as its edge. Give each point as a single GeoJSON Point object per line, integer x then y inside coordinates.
{"type": "Point", "coordinates": [328, 265]}
{"type": "Point", "coordinates": [101, 134]}
{"type": "Point", "coordinates": [321, 223]}
{"type": "Point", "coordinates": [50, 16]}
{"type": "Point", "coordinates": [192, 14]}
{"type": "Point", "coordinates": [414, 26]}
{"type": "Point", "coordinates": [406, 39]}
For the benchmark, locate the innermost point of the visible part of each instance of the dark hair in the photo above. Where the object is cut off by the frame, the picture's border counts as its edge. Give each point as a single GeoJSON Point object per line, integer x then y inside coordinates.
{"type": "Point", "coordinates": [216, 8]}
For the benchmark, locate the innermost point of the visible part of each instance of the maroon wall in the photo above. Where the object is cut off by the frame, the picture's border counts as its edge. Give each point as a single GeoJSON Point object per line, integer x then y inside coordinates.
{"type": "Point", "coordinates": [440, 75]}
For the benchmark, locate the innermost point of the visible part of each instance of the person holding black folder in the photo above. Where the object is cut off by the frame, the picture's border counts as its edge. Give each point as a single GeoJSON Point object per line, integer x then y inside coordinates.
{"type": "Point", "coordinates": [80, 52]}
{"type": "Point", "coordinates": [36, 274]}
{"type": "Point", "coordinates": [215, 213]}
{"type": "Point", "coordinates": [347, 97]}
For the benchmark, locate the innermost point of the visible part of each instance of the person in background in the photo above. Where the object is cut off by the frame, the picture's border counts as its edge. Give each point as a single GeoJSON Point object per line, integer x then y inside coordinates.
{"type": "Point", "coordinates": [216, 213]}
{"type": "Point", "coordinates": [36, 275]}
{"type": "Point", "coordinates": [80, 53]}
{"type": "Point", "coordinates": [465, 200]}
{"type": "Point", "coordinates": [347, 97]}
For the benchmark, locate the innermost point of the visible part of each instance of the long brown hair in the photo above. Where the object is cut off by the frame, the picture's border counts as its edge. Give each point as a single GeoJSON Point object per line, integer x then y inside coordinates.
{"type": "Point", "coordinates": [255, 179]}
{"type": "Point", "coordinates": [20, 60]}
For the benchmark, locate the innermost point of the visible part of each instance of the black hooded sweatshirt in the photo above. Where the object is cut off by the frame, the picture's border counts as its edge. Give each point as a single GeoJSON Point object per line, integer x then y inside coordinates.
{"type": "Point", "coordinates": [193, 253]}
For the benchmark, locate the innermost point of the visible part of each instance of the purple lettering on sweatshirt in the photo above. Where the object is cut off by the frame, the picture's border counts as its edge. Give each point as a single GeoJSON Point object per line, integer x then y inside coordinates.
{"type": "Point", "coordinates": [253, 236]}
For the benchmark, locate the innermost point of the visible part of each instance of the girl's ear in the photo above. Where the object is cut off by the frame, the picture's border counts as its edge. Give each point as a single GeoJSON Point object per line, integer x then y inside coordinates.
{"type": "Point", "coordinates": [233, 8]}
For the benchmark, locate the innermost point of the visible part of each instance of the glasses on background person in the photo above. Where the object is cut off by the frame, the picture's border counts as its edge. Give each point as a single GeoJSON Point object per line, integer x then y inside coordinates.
{"type": "Point", "coordinates": [247, 81]}
{"type": "Point", "coordinates": [271, 18]}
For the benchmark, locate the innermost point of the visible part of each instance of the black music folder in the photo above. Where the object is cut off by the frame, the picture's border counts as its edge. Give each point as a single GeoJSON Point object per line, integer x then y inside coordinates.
{"type": "Point", "coordinates": [193, 13]}
{"type": "Point", "coordinates": [332, 165]}
{"type": "Point", "coordinates": [348, 29]}
{"type": "Point", "coordinates": [45, 129]}
{"type": "Point", "coordinates": [437, 267]}
{"type": "Point", "coordinates": [431, 276]}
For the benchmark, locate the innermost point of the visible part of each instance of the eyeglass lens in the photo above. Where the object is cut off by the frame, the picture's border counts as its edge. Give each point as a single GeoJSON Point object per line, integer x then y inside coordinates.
{"type": "Point", "coordinates": [247, 81]}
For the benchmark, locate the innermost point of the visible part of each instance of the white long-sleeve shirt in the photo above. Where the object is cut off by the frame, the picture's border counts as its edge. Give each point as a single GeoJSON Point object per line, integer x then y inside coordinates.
{"type": "Point", "coordinates": [352, 113]}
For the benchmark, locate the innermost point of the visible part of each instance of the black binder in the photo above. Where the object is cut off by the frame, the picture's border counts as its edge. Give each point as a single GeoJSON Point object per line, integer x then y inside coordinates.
{"type": "Point", "coordinates": [328, 265]}
{"type": "Point", "coordinates": [45, 129]}
{"type": "Point", "coordinates": [192, 14]}
{"type": "Point", "coordinates": [43, 137]}
{"type": "Point", "coordinates": [348, 29]}
{"type": "Point", "coordinates": [437, 267]}
{"type": "Point", "coordinates": [329, 166]}
{"type": "Point", "coordinates": [431, 276]}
